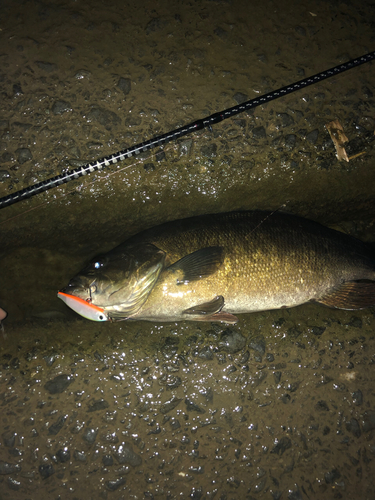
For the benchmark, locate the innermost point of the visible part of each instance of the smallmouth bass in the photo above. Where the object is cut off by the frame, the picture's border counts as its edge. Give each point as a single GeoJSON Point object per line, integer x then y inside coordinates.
{"type": "Point", "coordinates": [211, 267]}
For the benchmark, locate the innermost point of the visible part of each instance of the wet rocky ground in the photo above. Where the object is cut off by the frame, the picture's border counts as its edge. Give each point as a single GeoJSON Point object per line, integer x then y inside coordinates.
{"type": "Point", "coordinates": [276, 407]}
{"type": "Point", "coordinates": [279, 406]}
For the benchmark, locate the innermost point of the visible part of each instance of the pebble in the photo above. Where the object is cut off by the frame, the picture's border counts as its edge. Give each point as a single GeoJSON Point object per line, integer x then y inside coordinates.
{"type": "Point", "coordinates": [258, 344]}
{"type": "Point", "coordinates": [206, 353]}
{"type": "Point", "coordinates": [262, 58]}
{"type": "Point", "coordinates": [114, 484]}
{"type": "Point", "coordinates": [295, 494]}
{"type": "Point", "coordinates": [170, 347]}
{"type": "Point", "coordinates": [63, 455]}
{"type": "Point", "coordinates": [321, 406]}
{"type": "Point", "coordinates": [231, 341]}
{"type": "Point", "coordinates": [103, 116]}
{"type": "Point", "coordinates": [231, 369]}
{"type": "Point", "coordinates": [318, 330]}
{"type": "Point", "coordinates": [170, 405]}
{"type": "Point", "coordinates": [290, 141]}
{"type": "Point", "coordinates": [89, 435]}
{"type": "Point", "coordinates": [58, 384]}
{"type": "Point", "coordinates": [17, 89]}
{"type": "Point", "coordinates": [46, 66]}
{"type": "Point", "coordinates": [281, 445]}
{"type": "Point", "coordinates": [98, 404]}
{"type": "Point", "coordinates": [332, 476]}
{"type": "Point", "coordinates": [285, 398]}
{"type": "Point", "coordinates": [367, 92]}
{"type": "Point", "coordinates": [81, 74]}
{"type": "Point", "coordinates": [9, 438]}
{"type": "Point", "coordinates": [80, 456]}
{"type": "Point", "coordinates": [57, 426]}
{"type": "Point", "coordinates": [149, 167]}
{"type": "Point", "coordinates": [8, 468]}
{"type": "Point", "coordinates": [23, 155]}
{"type": "Point", "coordinates": [355, 322]}
{"type": "Point", "coordinates": [276, 495]}
{"type": "Point", "coordinates": [209, 150]}
{"type": "Point", "coordinates": [46, 470]}
{"type": "Point", "coordinates": [94, 145]}
{"type": "Point", "coordinates": [124, 84]}
{"type": "Point", "coordinates": [173, 382]}
{"type": "Point", "coordinates": [208, 394]}
{"type": "Point", "coordinates": [292, 386]}
{"type": "Point", "coordinates": [260, 486]}
{"type": "Point", "coordinates": [185, 147]}
{"type": "Point", "coordinates": [353, 427]}
{"type": "Point", "coordinates": [111, 437]}
{"type": "Point", "coordinates": [259, 133]}
{"type": "Point", "coordinates": [107, 460]}
{"type": "Point", "coordinates": [191, 406]}
{"type": "Point", "coordinates": [133, 121]}
{"type": "Point", "coordinates": [14, 484]}
{"type": "Point", "coordinates": [220, 32]}
{"type": "Point", "coordinates": [357, 397]}
{"type": "Point", "coordinates": [60, 107]}
{"type": "Point", "coordinates": [239, 97]}
{"type": "Point", "coordinates": [300, 30]}
{"type": "Point", "coordinates": [125, 455]}
{"type": "Point", "coordinates": [368, 421]}
{"type": "Point", "coordinates": [244, 358]}
{"type": "Point", "coordinates": [155, 24]}
{"type": "Point", "coordinates": [312, 136]}
{"type": "Point", "coordinates": [157, 430]}
{"type": "Point", "coordinates": [286, 120]}
{"type": "Point", "coordinates": [175, 424]}
{"type": "Point", "coordinates": [50, 359]}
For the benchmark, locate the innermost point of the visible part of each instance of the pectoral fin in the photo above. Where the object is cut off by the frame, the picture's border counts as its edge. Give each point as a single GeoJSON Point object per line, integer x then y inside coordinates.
{"type": "Point", "coordinates": [199, 264]}
{"type": "Point", "coordinates": [351, 295]}
{"type": "Point", "coordinates": [211, 311]}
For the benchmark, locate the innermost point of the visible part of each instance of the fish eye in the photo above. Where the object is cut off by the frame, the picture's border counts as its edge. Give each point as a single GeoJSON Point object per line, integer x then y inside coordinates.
{"type": "Point", "coordinates": [98, 264]}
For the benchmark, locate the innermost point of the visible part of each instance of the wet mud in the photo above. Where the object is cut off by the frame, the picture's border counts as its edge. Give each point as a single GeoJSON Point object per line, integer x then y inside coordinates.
{"type": "Point", "coordinates": [276, 407]}
{"type": "Point", "coordinates": [279, 406]}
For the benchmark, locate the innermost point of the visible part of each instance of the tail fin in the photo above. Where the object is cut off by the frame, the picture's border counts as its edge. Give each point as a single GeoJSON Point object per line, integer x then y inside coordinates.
{"type": "Point", "coordinates": [351, 295]}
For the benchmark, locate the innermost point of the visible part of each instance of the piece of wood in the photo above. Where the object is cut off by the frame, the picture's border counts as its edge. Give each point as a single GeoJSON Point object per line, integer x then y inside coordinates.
{"type": "Point", "coordinates": [339, 139]}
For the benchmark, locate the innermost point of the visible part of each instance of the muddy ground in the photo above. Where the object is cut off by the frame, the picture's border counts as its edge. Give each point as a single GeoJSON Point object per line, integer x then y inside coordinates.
{"type": "Point", "coordinates": [279, 406]}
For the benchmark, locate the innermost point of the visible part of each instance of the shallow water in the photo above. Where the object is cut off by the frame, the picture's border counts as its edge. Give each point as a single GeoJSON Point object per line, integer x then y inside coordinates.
{"type": "Point", "coordinates": [280, 405]}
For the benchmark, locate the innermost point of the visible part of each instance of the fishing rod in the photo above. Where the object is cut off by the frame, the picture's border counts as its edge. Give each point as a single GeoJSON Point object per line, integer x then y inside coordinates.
{"type": "Point", "coordinates": [159, 140]}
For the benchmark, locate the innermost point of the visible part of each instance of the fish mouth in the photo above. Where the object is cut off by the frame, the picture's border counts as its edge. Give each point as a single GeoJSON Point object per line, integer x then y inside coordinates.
{"type": "Point", "coordinates": [77, 288]}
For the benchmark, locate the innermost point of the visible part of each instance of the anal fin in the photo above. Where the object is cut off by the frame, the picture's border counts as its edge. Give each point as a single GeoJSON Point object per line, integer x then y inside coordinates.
{"type": "Point", "coordinates": [351, 295]}
{"type": "Point", "coordinates": [220, 317]}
